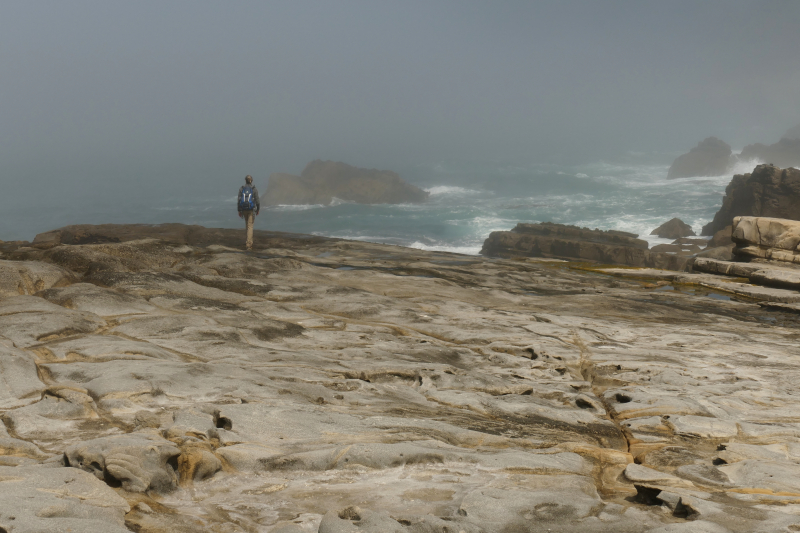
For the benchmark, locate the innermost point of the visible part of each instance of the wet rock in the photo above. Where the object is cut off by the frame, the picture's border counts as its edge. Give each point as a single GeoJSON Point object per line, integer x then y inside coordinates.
{"type": "Point", "coordinates": [673, 229]}
{"type": "Point", "coordinates": [197, 464]}
{"type": "Point", "coordinates": [721, 238]}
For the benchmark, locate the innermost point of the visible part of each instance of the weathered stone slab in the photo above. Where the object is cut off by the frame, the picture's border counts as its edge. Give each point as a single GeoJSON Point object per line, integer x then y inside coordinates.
{"type": "Point", "coordinates": [27, 320]}
{"type": "Point", "coordinates": [436, 392]}
{"type": "Point", "coordinates": [138, 461]}
{"type": "Point", "coordinates": [56, 500]}
{"type": "Point", "coordinates": [97, 300]}
{"type": "Point", "coordinates": [729, 268]}
{"type": "Point", "coordinates": [19, 379]}
{"type": "Point", "coordinates": [101, 348]}
{"type": "Point", "coordinates": [29, 277]}
{"type": "Point", "coordinates": [54, 417]}
{"type": "Point", "coordinates": [756, 292]}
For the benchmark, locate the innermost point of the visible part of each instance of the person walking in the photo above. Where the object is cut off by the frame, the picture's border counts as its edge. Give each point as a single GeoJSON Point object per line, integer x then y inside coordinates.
{"type": "Point", "coordinates": [248, 207]}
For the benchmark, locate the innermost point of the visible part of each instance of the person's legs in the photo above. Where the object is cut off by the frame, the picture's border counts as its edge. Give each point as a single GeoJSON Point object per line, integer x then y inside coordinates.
{"type": "Point", "coordinates": [249, 217]}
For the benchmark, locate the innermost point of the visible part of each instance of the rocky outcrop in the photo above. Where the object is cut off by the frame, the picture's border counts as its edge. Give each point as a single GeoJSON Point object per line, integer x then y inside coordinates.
{"type": "Point", "coordinates": [722, 237]}
{"type": "Point", "coordinates": [784, 153]}
{"type": "Point", "coordinates": [673, 229]}
{"type": "Point", "coordinates": [767, 238]}
{"type": "Point", "coordinates": [571, 242]}
{"type": "Point", "coordinates": [767, 252]}
{"type": "Point", "coordinates": [766, 192]}
{"type": "Point", "coordinates": [175, 384]}
{"type": "Point", "coordinates": [711, 157]}
{"type": "Point", "coordinates": [322, 181]}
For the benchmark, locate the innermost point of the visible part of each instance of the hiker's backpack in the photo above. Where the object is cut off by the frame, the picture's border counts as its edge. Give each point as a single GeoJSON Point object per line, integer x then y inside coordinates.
{"type": "Point", "coordinates": [246, 201]}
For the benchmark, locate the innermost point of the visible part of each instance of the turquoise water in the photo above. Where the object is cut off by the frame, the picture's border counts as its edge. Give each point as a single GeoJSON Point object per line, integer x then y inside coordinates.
{"type": "Point", "coordinates": [465, 205]}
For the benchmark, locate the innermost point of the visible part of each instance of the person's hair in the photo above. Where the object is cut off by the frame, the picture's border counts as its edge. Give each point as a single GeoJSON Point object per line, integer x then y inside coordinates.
{"type": "Point", "coordinates": [248, 179]}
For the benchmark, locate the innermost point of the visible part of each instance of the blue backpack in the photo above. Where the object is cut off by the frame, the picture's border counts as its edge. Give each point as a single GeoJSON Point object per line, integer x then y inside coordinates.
{"type": "Point", "coordinates": [246, 201]}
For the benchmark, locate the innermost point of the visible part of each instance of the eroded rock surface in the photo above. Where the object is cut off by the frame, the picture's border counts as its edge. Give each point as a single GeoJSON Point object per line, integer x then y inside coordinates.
{"type": "Point", "coordinates": [176, 384]}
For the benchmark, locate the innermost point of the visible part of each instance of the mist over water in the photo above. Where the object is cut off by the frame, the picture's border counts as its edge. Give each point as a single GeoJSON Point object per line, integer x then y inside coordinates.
{"type": "Point", "coordinates": [467, 202]}
{"type": "Point", "coordinates": [153, 112]}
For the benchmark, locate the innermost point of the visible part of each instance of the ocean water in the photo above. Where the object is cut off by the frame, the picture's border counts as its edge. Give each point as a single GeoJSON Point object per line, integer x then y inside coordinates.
{"type": "Point", "coordinates": [466, 204]}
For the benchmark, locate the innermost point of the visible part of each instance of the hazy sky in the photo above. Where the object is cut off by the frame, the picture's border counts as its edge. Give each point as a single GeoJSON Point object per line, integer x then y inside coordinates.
{"type": "Point", "coordinates": [157, 92]}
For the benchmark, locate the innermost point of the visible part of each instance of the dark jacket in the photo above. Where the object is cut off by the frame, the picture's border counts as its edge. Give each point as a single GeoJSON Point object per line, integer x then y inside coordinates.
{"type": "Point", "coordinates": [255, 198]}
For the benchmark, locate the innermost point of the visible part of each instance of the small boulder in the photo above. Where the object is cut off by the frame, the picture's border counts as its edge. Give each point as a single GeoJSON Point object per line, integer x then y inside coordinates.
{"type": "Point", "coordinates": [673, 229]}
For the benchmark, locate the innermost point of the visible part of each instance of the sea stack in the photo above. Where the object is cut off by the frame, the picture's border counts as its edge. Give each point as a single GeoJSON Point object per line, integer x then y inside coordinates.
{"type": "Point", "coordinates": [322, 181]}
{"type": "Point", "coordinates": [711, 157]}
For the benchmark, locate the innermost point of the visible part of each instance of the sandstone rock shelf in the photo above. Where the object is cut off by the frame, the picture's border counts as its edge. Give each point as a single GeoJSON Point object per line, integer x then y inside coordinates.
{"type": "Point", "coordinates": [572, 242]}
{"type": "Point", "coordinates": [157, 378]}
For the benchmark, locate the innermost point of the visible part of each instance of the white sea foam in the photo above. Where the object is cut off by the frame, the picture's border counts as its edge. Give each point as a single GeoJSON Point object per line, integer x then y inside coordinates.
{"type": "Point", "coordinates": [295, 207]}
{"type": "Point", "coordinates": [746, 166]}
{"type": "Point", "coordinates": [338, 201]}
{"type": "Point", "coordinates": [451, 191]}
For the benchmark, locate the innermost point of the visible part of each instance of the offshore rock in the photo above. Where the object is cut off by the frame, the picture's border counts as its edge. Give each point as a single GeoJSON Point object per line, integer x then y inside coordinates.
{"type": "Point", "coordinates": [322, 181]}
{"type": "Point", "coordinates": [784, 153]}
{"type": "Point", "coordinates": [673, 229]}
{"type": "Point", "coordinates": [711, 157]}
{"type": "Point", "coordinates": [571, 242]}
{"type": "Point", "coordinates": [766, 192]}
